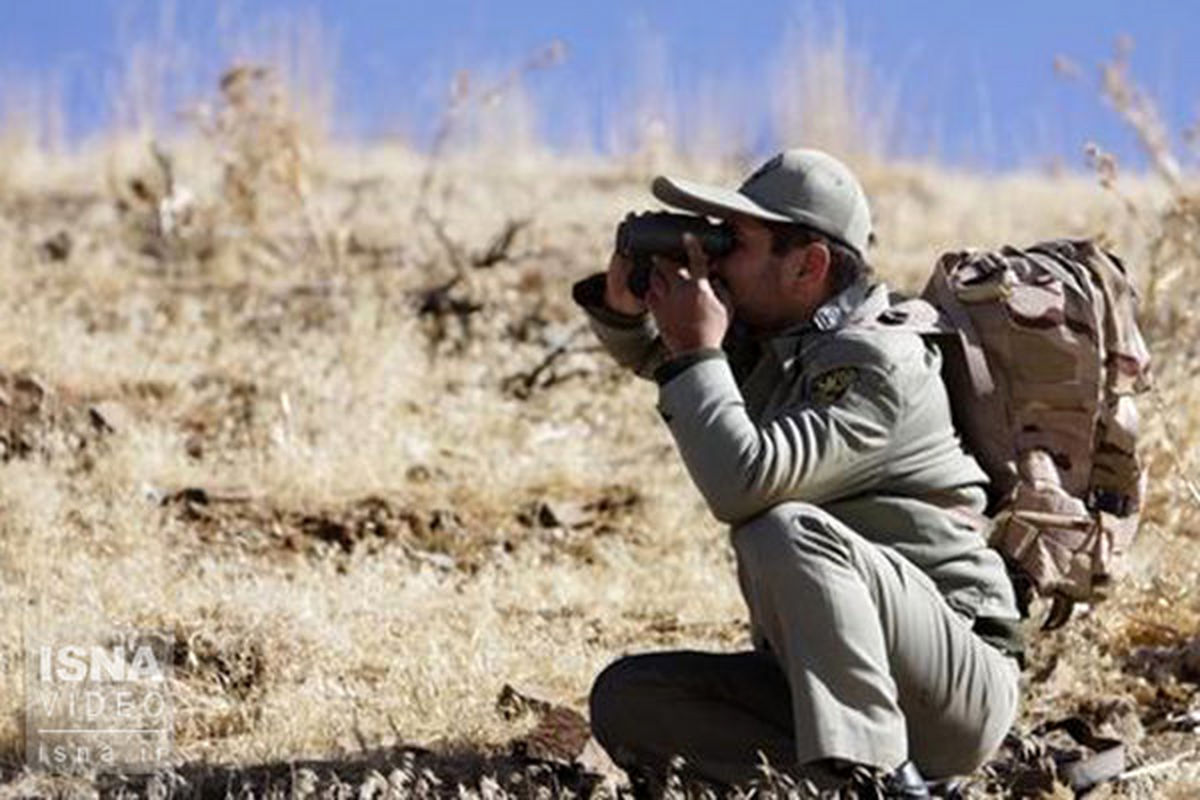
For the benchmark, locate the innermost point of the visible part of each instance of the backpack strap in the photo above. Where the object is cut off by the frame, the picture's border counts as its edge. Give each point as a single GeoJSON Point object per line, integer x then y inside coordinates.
{"type": "Point", "coordinates": [1059, 614]}
{"type": "Point", "coordinates": [943, 297]}
{"type": "Point", "coordinates": [924, 315]}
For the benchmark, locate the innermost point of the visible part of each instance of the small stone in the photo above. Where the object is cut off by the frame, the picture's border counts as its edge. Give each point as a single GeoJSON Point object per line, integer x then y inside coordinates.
{"type": "Point", "coordinates": [305, 783]}
{"type": "Point", "coordinates": [194, 447]}
{"type": "Point", "coordinates": [109, 416]}
{"type": "Point", "coordinates": [153, 494]}
{"type": "Point", "coordinates": [439, 561]}
{"type": "Point", "coordinates": [554, 515]}
{"type": "Point", "coordinates": [31, 391]}
{"type": "Point", "coordinates": [419, 473]}
{"type": "Point", "coordinates": [58, 247]}
{"type": "Point", "coordinates": [546, 516]}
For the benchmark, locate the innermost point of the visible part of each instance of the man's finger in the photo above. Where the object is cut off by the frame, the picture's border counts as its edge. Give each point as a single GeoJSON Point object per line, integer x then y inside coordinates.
{"type": "Point", "coordinates": [658, 286]}
{"type": "Point", "coordinates": [697, 258]}
{"type": "Point", "coordinates": [671, 273]}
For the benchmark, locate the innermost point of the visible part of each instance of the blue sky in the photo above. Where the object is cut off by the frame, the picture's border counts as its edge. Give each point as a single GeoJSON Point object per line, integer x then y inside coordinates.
{"type": "Point", "coordinates": [974, 81]}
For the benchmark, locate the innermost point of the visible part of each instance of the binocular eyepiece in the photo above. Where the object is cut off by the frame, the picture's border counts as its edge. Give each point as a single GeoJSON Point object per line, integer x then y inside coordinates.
{"type": "Point", "coordinates": [641, 236]}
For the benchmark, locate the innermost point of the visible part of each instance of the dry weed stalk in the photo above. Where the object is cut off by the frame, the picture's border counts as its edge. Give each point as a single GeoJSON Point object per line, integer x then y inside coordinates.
{"type": "Point", "coordinates": [1174, 231]}
{"type": "Point", "coordinates": [822, 70]}
{"type": "Point", "coordinates": [437, 302]}
{"type": "Point", "coordinates": [463, 98]}
{"type": "Point", "coordinates": [1140, 112]}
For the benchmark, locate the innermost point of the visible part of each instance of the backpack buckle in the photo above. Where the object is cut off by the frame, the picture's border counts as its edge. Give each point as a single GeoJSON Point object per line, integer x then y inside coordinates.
{"type": "Point", "coordinates": [1115, 503]}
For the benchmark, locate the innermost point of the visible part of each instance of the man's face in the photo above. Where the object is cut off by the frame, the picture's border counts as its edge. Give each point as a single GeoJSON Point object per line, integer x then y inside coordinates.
{"type": "Point", "coordinates": [755, 277]}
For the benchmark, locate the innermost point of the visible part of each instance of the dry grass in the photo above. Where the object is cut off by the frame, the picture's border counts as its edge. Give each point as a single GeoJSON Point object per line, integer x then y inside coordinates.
{"type": "Point", "coordinates": [419, 483]}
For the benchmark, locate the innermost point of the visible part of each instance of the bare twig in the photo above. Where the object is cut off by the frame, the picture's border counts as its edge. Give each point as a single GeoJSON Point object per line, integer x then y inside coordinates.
{"type": "Point", "coordinates": [497, 249]}
{"type": "Point", "coordinates": [522, 384]}
{"type": "Point", "coordinates": [457, 258]}
{"type": "Point", "coordinates": [461, 97]}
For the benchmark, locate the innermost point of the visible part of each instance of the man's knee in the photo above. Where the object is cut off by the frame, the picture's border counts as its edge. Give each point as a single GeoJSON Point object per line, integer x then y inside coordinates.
{"type": "Point", "coordinates": [788, 531]}
{"type": "Point", "coordinates": [616, 696]}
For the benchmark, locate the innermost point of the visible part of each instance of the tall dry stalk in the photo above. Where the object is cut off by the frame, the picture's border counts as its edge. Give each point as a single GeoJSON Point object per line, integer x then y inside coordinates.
{"type": "Point", "coordinates": [32, 125]}
{"type": "Point", "coordinates": [1173, 279]}
{"type": "Point", "coordinates": [464, 98]}
{"type": "Point", "coordinates": [825, 95]}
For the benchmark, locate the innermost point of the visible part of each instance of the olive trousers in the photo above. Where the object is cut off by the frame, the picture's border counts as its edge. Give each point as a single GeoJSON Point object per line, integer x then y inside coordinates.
{"type": "Point", "coordinates": [857, 658]}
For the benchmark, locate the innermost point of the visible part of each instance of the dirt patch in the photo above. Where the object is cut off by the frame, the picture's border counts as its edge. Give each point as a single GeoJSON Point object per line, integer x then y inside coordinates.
{"type": "Point", "coordinates": [242, 519]}
{"type": "Point", "coordinates": [225, 414]}
{"type": "Point", "coordinates": [40, 421]}
{"type": "Point", "coordinates": [442, 537]}
{"type": "Point", "coordinates": [574, 527]}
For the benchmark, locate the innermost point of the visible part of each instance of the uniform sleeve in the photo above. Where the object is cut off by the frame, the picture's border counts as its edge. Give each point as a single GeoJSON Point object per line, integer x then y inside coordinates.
{"type": "Point", "coordinates": [831, 439]}
{"type": "Point", "coordinates": [632, 341]}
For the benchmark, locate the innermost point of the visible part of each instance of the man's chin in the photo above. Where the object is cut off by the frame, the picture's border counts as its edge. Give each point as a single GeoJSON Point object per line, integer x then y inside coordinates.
{"type": "Point", "coordinates": [747, 317]}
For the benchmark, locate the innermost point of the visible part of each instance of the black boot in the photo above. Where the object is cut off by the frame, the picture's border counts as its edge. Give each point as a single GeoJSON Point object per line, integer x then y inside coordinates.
{"type": "Point", "coordinates": [902, 783]}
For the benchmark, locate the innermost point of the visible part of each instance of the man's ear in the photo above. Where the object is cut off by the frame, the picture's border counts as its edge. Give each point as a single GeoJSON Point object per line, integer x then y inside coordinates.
{"type": "Point", "coordinates": [820, 261]}
{"type": "Point", "coordinates": [808, 267]}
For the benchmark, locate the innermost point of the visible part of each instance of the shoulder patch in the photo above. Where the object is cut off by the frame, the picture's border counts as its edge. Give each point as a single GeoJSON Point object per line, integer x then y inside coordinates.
{"type": "Point", "coordinates": [829, 387]}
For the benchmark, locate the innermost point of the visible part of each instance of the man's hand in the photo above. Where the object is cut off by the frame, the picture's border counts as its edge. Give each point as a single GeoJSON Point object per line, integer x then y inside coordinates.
{"type": "Point", "coordinates": [616, 287]}
{"type": "Point", "coordinates": [692, 313]}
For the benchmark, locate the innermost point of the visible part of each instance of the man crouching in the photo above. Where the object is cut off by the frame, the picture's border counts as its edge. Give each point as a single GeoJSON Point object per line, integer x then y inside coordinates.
{"type": "Point", "coordinates": [883, 625]}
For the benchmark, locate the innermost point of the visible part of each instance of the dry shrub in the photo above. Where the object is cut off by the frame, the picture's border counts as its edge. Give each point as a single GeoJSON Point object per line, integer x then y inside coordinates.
{"type": "Point", "coordinates": [266, 155]}
{"type": "Point", "coordinates": [260, 215]}
{"type": "Point", "coordinates": [221, 675]}
{"type": "Point", "coordinates": [261, 146]}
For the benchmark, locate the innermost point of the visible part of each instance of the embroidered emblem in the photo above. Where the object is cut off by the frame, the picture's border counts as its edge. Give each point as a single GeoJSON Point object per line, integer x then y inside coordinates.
{"type": "Point", "coordinates": [829, 387]}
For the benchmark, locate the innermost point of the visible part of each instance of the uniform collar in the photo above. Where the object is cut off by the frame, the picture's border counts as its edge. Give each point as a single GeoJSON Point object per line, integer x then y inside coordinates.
{"type": "Point", "coordinates": [852, 304]}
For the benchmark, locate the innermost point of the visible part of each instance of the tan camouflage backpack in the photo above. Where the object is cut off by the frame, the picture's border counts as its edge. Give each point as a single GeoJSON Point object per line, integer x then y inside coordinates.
{"type": "Point", "coordinates": [1042, 358]}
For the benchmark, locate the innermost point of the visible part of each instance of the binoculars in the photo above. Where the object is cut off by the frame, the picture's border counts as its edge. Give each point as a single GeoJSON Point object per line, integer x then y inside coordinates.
{"type": "Point", "coordinates": [642, 236]}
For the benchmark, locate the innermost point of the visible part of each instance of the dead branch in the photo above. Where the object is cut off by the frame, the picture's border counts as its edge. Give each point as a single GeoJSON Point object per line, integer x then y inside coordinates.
{"type": "Point", "coordinates": [461, 97]}
{"type": "Point", "coordinates": [522, 384]}
{"type": "Point", "coordinates": [498, 249]}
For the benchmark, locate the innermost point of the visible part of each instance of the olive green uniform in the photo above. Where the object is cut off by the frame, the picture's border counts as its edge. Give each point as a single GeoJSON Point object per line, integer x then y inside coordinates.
{"type": "Point", "coordinates": [881, 620]}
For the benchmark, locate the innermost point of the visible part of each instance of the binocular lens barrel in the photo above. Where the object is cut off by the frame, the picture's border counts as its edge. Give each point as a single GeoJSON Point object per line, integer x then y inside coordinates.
{"type": "Point", "coordinates": [641, 236]}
